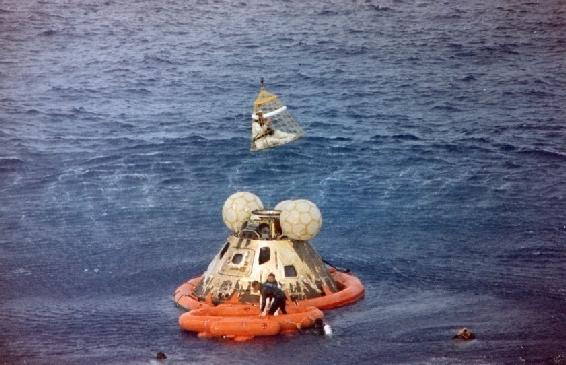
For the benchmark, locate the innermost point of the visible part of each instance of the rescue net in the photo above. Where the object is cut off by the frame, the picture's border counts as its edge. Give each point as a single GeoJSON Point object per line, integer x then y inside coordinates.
{"type": "Point", "coordinates": [272, 124]}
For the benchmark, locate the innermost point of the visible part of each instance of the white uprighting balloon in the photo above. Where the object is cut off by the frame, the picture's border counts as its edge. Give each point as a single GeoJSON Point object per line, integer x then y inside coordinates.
{"type": "Point", "coordinates": [300, 219]}
{"type": "Point", "coordinates": [238, 208]}
{"type": "Point", "coordinates": [282, 204]}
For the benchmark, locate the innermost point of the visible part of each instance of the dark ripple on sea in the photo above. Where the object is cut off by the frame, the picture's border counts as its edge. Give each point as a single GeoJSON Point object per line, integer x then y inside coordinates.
{"type": "Point", "coordinates": [434, 148]}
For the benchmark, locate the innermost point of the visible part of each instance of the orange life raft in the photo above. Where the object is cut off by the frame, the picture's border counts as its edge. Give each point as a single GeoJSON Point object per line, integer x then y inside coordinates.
{"type": "Point", "coordinates": [351, 290]}
{"type": "Point", "coordinates": [242, 322]}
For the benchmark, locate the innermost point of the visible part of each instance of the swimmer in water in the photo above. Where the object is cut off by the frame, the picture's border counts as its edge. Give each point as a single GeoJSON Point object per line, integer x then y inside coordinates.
{"type": "Point", "coordinates": [464, 334]}
{"type": "Point", "coordinates": [320, 328]}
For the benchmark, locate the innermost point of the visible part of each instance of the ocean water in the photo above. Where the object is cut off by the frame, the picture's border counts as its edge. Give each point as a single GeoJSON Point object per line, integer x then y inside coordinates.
{"type": "Point", "coordinates": [435, 149]}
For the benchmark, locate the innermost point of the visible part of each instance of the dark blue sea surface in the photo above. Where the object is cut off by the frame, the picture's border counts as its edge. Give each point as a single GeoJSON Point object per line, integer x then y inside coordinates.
{"type": "Point", "coordinates": [435, 149]}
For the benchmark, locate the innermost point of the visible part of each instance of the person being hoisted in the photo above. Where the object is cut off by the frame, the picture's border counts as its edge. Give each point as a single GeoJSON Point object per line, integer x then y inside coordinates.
{"type": "Point", "coordinates": [265, 128]}
{"type": "Point", "coordinates": [272, 124]}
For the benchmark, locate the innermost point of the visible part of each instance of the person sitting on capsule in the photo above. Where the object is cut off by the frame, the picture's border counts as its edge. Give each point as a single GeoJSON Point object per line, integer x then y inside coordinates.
{"type": "Point", "coordinates": [271, 292]}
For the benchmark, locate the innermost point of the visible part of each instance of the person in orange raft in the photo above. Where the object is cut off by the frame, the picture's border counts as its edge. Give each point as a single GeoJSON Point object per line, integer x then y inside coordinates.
{"type": "Point", "coordinates": [270, 291]}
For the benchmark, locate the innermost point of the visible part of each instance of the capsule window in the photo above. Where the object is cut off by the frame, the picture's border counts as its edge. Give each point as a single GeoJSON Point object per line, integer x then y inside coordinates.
{"type": "Point", "coordinates": [237, 258]}
{"type": "Point", "coordinates": [264, 231]}
{"type": "Point", "coordinates": [290, 271]}
{"type": "Point", "coordinates": [224, 249]}
{"type": "Point", "coordinates": [264, 255]}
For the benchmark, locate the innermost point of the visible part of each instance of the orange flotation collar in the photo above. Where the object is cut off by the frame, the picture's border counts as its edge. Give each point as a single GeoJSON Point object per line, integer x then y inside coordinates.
{"type": "Point", "coordinates": [242, 322]}
{"type": "Point", "coordinates": [351, 290]}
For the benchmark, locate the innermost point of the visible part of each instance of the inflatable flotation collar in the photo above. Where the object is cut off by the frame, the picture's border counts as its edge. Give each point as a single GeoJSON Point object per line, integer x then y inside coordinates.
{"type": "Point", "coordinates": [351, 290]}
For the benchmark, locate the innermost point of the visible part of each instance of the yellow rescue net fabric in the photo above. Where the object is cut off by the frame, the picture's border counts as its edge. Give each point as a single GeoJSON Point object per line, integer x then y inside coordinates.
{"type": "Point", "coordinates": [272, 124]}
